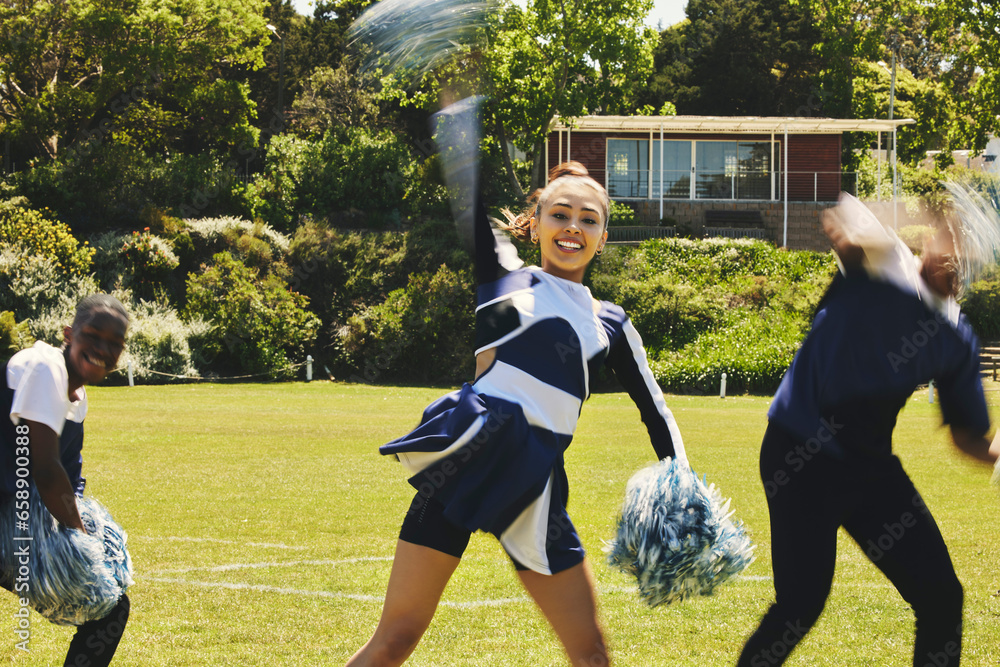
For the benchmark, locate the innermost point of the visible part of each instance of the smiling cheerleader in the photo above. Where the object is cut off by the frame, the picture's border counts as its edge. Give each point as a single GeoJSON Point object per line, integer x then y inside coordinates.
{"type": "Point", "coordinates": [61, 553]}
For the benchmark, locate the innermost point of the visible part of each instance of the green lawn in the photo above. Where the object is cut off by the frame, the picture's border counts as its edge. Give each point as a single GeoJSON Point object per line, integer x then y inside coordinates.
{"type": "Point", "coordinates": [262, 519]}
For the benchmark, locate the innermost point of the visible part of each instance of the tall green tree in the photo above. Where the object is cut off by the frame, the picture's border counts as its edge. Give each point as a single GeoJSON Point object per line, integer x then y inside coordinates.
{"type": "Point", "coordinates": [74, 70]}
{"type": "Point", "coordinates": [563, 59]}
{"type": "Point", "coordinates": [974, 73]}
{"type": "Point", "coordinates": [738, 57]}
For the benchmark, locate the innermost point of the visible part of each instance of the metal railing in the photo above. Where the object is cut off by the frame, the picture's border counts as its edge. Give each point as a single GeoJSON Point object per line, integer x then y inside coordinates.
{"type": "Point", "coordinates": [722, 185]}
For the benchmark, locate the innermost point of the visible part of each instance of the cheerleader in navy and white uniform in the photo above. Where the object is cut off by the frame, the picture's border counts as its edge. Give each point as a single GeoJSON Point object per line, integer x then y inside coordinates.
{"type": "Point", "coordinates": [490, 456]}
{"type": "Point", "coordinates": [47, 557]}
{"type": "Point", "coordinates": [887, 324]}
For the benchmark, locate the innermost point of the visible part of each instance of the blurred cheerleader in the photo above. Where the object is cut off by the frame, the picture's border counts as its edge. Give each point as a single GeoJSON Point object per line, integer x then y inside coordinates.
{"type": "Point", "coordinates": [887, 324]}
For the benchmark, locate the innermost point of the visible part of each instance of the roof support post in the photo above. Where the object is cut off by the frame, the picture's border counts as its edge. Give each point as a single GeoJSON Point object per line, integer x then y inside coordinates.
{"type": "Point", "coordinates": [661, 171]}
{"type": "Point", "coordinates": [784, 238]}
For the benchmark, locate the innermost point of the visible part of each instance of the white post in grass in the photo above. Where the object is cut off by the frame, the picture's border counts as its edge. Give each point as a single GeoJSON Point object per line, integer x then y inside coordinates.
{"type": "Point", "coordinates": [309, 368]}
{"type": "Point", "coordinates": [930, 391]}
{"type": "Point", "coordinates": [722, 387]}
{"type": "Point", "coordinates": [131, 381]}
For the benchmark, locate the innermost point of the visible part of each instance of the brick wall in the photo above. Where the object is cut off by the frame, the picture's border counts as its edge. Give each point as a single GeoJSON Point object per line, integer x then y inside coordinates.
{"type": "Point", "coordinates": [804, 229]}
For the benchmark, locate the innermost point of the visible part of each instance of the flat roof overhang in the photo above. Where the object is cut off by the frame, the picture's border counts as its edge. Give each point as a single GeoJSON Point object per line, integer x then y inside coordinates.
{"type": "Point", "coordinates": [719, 124]}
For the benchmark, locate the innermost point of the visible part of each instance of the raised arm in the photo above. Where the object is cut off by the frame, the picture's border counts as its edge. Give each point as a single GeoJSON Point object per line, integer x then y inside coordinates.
{"type": "Point", "coordinates": [627, 358]}
{"type": "Point", "coordinates": [456, 132]}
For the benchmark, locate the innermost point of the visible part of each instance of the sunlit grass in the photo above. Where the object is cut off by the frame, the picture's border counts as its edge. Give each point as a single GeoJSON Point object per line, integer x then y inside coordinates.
{"type": "Point", "coordinates": [283, 483]}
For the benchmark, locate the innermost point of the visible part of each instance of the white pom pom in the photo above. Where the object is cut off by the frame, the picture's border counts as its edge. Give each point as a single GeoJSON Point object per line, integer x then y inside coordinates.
{"type": "Point", "coordinates": [675, 535]}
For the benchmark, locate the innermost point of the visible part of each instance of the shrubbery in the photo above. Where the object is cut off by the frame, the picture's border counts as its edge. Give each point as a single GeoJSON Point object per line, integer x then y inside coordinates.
{"type": "Point", "coordinates": [704, 308]}
{"type": "Point", "coordinates": [14, 336]}
{"type": "Point", "coordinates": [259, 325]}
{"type": "Point", "coordinates": [420, 333]}
{"type": "Point", "coordinates": [160, 345]}
{"type": "Point", "coordinates": [981, 306]}
{"type": "Point", "coordinates": [621, 215]}
{"type": "Point", "coordinates": [348, 169]}
{"type": "Point", "coordinates": [38, 234]}
{"type": "Point", "coordinates": [39, 293]}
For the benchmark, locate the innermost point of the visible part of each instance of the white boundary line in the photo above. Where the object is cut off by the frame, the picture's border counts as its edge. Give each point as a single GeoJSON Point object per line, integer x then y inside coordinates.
{"type": "Point", "coordinates": [258, 566]}
{"type": "Point", "coordinates": [266, 545]}
{"type": "Point", "coordinates": [325, 594]}
{"type": "Point", "coordinates": [263, 588]}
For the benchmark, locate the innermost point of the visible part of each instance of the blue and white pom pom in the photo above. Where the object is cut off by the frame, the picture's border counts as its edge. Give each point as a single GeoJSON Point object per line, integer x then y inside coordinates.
{"type": "Point", "coordinates": [418, 35]}
{"type": "Point", "coordinates": [72, 577]}
{"type": "Point", "coordinates": [675, 535]}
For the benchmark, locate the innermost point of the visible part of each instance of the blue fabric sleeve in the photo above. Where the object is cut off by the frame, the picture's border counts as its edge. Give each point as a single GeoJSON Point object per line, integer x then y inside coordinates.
{"type": "Point", "coordinates": [627, 359]}
{"type": "Point", "coordinates": [963, 403]}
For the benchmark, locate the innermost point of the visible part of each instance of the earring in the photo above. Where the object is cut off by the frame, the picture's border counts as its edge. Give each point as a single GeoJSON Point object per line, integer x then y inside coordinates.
{"type": "Point", "coordinates": [534, 236]}
{"type": "Point", "coordinates": [599, 251]}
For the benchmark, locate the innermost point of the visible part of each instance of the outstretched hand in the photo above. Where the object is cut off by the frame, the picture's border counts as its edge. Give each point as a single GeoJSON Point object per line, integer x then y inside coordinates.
{"type": "Point", "coordinates": [849, 252]}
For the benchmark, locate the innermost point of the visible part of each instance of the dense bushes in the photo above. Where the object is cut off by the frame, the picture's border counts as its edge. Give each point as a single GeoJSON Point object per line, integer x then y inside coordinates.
{"type": "Point", "coordinates": [348, 169]}
{"type": "Point", "coordinates": [14, 336]}
{"type": "Point", "coordinates": [161, 346]}
{"type": "Point", "coordinates": [37, 233]}
{"type": "Point", "coordinates": [259, 325]}
{"type": "Point", "coordinates": [218, 297]}
{"type": "Point", "coordinates": [981, 305]}
{"type": "Point", "coordinates": [716, 306]}
{"type": "Point", "coordinates": [421, 333]}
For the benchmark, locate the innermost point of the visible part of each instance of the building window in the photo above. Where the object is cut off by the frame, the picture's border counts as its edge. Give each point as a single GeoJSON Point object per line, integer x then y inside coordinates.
{"type": "Point", "coordinates": [722, 169]}
{"type": "Point", "coordinates": [733, 170]}
{"type": "Point", "coordinates": [676, 169]}
{"type": "Point", "coordinates": [628, 168]}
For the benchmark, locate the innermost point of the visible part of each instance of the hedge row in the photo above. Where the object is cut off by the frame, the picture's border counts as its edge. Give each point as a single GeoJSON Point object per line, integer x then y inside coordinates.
{"type": "Point", "coordinates": [225, 296]}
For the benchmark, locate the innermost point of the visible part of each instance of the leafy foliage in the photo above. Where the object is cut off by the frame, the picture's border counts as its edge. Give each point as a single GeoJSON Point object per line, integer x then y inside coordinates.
{"type": "Point", "coordinates": [259, 325]}
{"type": "Point", "coordinates": [981, 305]}
{"type": "Point", "coordinates": [160, 345]}
{"type": "Point", "coordinates": [621, 215]}
{"type": "Point", "coordinates": [715, 306]}
{"type": "Point", "coordinates": [147, 257]}
{"type": "Point", "coordinates": [753, 57]}
{"type": "Point", "coordinates": [348, 169]}
{"type": "Point", "coordinates": [39, 293]}
{"type": "Point", "coordinates": [14, 336]}
{"type": "Point", "coordinates": [80, 71]}
{"type": "Point", "coordinates": [420, 333]}
{"type": "Point", "coordinates": [36, 233]}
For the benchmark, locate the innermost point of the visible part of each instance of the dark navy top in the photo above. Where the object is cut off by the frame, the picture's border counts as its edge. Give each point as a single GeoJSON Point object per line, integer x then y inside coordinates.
{"type": "Point", "coordinates": [70, 447]}
{"type": "Point", "coordinates": [871, 344]}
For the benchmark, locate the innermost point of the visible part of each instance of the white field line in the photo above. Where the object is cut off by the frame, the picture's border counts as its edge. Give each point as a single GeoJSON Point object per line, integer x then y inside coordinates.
{"type": "Point", "coordinates": [265, 545]}
{"type": "Point", "coordinates": [326, 594]}
{"type": "Point", "coordinates": [473, 604]}
{"type": "Point", "coordinates": [259, 566]}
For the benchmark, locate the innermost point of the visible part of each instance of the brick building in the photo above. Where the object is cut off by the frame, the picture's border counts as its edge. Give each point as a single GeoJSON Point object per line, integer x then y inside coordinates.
{"type": "Point", "coordinates": [718, 175]}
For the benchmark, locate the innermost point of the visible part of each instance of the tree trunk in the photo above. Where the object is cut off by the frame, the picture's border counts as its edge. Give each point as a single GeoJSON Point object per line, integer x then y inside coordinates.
{"type": "Point", "coordinates": [538, 166]}
{"type": "Point", "coordinates": [507, 163]}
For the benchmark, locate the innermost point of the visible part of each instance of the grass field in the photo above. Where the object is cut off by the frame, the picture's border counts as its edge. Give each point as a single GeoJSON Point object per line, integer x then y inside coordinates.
{"type": "Point", "coordinates": [262, 522]}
